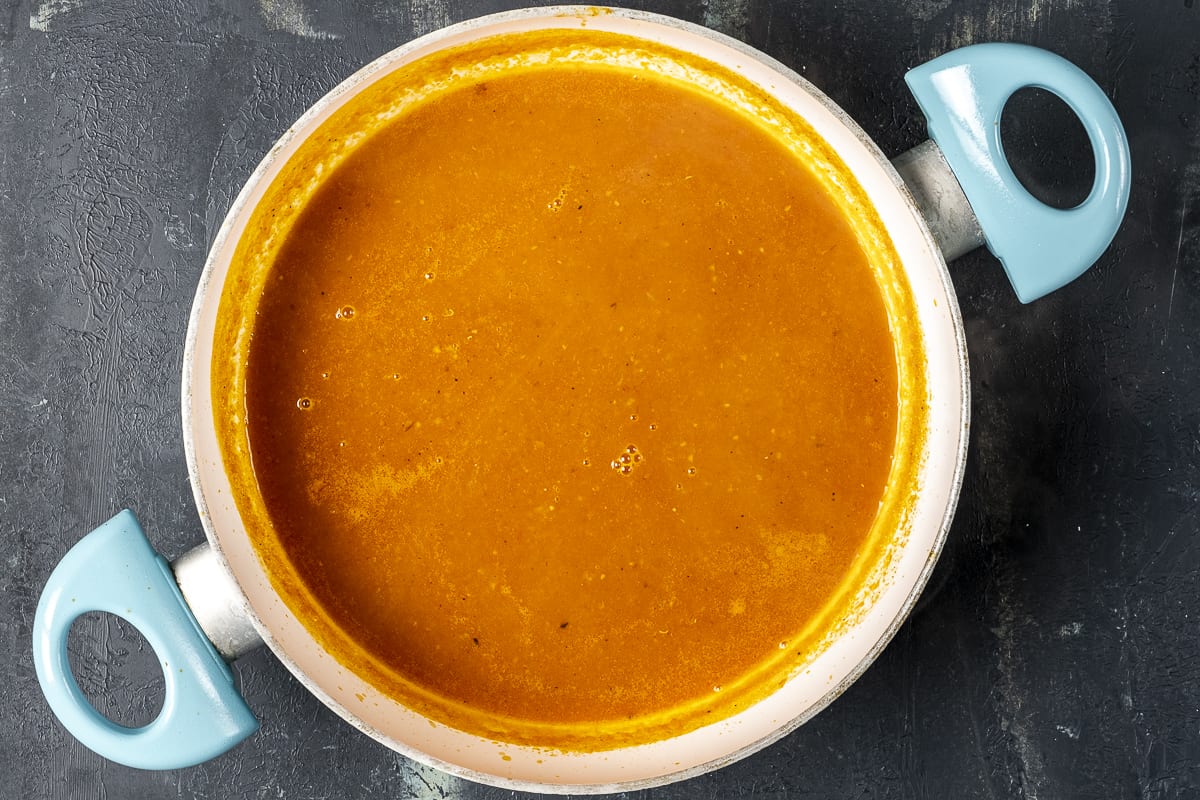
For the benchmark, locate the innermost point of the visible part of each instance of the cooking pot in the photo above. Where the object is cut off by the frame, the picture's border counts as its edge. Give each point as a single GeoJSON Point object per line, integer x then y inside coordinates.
{"type": "Point", "coordinates": [938, 201]}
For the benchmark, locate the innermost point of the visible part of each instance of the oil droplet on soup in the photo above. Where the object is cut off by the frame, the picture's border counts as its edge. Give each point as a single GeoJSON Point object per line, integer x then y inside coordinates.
{"type": "Point", "coordinates": [686, 269]}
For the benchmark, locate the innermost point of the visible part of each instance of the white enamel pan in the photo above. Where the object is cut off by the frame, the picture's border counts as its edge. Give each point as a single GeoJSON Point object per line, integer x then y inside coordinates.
{"type": "Point", "coordinates": [936, 202]}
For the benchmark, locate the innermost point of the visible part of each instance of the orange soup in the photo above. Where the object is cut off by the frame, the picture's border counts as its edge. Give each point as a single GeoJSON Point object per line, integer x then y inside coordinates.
{"type": "Point", "coordinates": [570, 401]}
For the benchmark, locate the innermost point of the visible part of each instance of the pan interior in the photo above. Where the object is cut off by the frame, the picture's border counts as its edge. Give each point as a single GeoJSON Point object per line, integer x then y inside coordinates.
{"type": "Point", "coordinates": [567, 388]}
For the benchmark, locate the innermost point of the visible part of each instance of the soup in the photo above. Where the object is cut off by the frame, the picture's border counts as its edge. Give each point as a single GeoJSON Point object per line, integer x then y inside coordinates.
{"type": "Point", "coordinates": [565, 398]}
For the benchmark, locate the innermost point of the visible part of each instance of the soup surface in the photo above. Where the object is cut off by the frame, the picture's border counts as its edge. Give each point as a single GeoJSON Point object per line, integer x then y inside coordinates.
{"type": "Point", "coordinates": [571, 399]}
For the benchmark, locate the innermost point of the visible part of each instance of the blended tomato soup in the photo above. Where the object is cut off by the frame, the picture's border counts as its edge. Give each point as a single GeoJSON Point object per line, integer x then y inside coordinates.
{"type": "Point", "coordinates": [570, 399]}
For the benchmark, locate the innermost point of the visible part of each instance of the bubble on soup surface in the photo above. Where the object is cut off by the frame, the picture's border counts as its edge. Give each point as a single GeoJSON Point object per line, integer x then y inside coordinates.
{"type": "Point", "coordinates": [304, 403]}
{"type": "Point", "coordinates": [625, 462]}
{"type": "Point", "coordinates": [345, 312]}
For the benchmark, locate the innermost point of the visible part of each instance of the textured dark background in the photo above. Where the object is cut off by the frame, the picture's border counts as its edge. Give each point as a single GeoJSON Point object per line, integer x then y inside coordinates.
{"type": "Point", "coordinates": [1056, 653]}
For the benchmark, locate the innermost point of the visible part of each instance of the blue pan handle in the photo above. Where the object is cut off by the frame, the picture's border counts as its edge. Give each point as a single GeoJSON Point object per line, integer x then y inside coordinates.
{"type": "Point", "coordinates": [114, 569]}
{"type": "Point", "coordinates": [963, 94]}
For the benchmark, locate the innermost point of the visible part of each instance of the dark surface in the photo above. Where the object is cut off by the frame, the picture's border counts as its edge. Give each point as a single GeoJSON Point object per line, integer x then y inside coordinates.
{"type": "Point", "coordinates": [1056, 653]}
